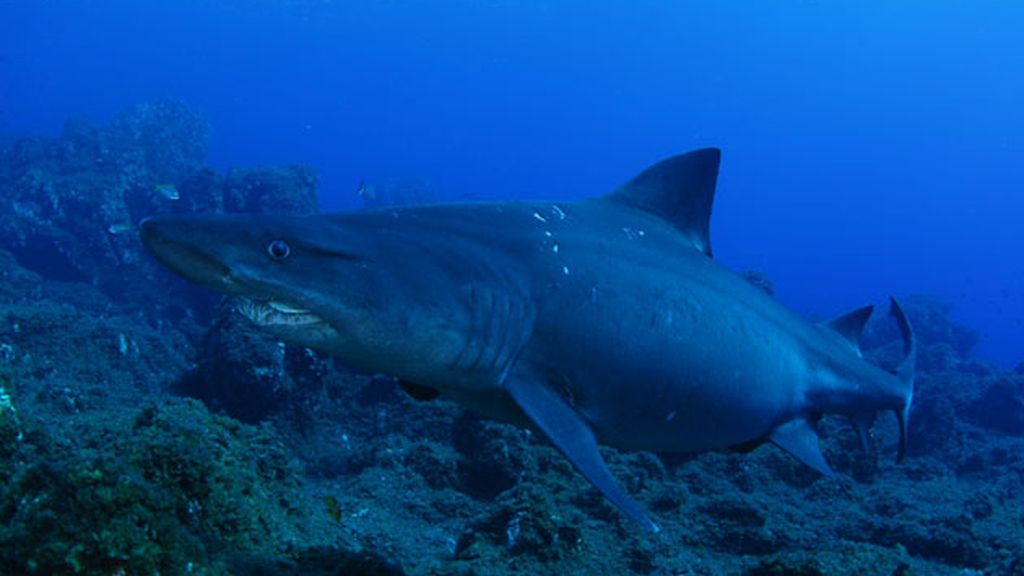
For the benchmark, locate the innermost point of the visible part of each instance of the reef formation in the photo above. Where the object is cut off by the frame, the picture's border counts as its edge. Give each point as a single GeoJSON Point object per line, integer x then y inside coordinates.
{"type": "Point", "coordinates": [146, 428]}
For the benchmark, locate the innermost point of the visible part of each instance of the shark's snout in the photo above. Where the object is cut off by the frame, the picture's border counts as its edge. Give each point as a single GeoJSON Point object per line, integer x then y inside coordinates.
{"type": "Point", "coordinates": [174, 242]}
{"type": "Point", "coordinates": [152, 231]}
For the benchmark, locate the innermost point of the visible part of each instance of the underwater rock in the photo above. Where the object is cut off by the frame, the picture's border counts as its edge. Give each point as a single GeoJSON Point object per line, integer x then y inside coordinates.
{"type": "Point", "coordinates": [490, 462]}
{"type": "Point", "coordinates": [169, 496]}
{"type": "Point", "coordinates": [786, 567]}
{"type": "Point", "coordinates": [946, 538]}
{"type": "Point", "coordinates": [864, 560]}
{"type": "Point", "coordinates": [240, 370]}
{"type": "Point", "coordinates": [1000, 406]}
{"type": "Point", "coordinates": [250, 375]}
{"type": "Point", "coordinates": [323, 561]}
{"type": "Point", "coordinates": [73, 201]}
{"type": "Point", "coordinates": [276, 190]}
{"type": "Point", "coordinates": [165, 136]}
{"type": "Point", "coordinates": [72, 340]}
{"type": "Point", "coordinates": [16, 283]}
{"type": "Point", "coordinates": [199, 192]}
{"type": "Point", "coordinates": [11, 433]}
{"type": "Point", "coordinates": [738, 526]}
{"type": "Point", "coordinates": [931, 318]}
{"type": "Point", "coordinates": [525, 522]}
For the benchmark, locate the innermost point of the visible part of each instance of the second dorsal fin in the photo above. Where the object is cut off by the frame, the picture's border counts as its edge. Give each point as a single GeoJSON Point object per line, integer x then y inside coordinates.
{"type": "Point", "coordinates": [851, 325]}
{"type": "Point", "coordinates": [680, 189]}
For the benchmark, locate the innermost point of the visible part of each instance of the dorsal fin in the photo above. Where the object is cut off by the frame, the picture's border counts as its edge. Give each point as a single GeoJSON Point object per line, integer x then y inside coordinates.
{"type": "Point", "coordinates": [680, 189]}
{"type": "Point", "coordinates": [851, 325]}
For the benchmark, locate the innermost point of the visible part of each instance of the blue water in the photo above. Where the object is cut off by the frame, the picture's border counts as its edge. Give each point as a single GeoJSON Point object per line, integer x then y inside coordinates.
{"type": "Point", "coordinates": [870, 148]}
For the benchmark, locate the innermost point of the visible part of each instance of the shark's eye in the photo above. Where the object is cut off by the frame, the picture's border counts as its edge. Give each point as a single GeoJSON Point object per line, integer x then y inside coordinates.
{"type": "Point", "coordinates": [278, 249]}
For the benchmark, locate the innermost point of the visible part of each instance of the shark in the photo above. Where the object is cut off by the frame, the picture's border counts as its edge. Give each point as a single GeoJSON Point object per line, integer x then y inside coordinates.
{"type": "Point", "coordinates": [603, 321]}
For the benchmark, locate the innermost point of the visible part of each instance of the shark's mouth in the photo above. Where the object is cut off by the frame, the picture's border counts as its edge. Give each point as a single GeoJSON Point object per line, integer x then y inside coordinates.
{"type": "Point", "coordinates": [274, 313]}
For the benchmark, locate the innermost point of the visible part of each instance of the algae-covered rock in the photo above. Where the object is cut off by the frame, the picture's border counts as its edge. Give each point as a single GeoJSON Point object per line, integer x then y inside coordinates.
{"type": "Point", "coordinates": [279, 190]}
{"type": "Point", "coordinates": [72, 202]}
{"type": "Point", "coordinates": [250, 375]}
{"type": "Point", "coordinates": [999, 405]}
{"type": "Point", "coordinates": [171, 493]}
{"type": "Point", "coordinates": [493, 456]}
{"type": "Point", "coordinates": [240, 370]}
{"type": "Point", "coordinates": [11, 433]}
{"type": "Point", "coordinates": [165, 136]}
{"type": "Point", "coordinates": [231, 483]}
{"type": "Point", "coordinates": [933, 325]}
{"type": "Point", "coordinates": [96, 516]}
{"type": "Point", "coordinates": [57, 344]}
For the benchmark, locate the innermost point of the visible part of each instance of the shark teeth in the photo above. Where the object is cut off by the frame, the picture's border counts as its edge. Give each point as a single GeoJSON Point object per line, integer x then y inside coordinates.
{"type": "Point", "coordinates": [286, 309]}
{"type": "Point", "coordinates": [274, 313]}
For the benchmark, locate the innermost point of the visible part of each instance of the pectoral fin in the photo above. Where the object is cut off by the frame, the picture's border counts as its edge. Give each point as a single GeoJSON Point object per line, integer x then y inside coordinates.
{"type": "Point", "coordinates": [566, 429]}
{"type": "Point", "coordinates": [799, 439]}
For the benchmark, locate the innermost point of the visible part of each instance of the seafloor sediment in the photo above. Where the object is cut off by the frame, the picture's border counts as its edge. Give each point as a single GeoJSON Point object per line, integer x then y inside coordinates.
{"type": "Point", "coordinates": [146, 428]}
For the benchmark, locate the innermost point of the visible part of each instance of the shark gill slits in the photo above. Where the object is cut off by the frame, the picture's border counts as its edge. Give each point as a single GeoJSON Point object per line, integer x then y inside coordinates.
{"type": "Point", "coordinates": [496, 320]}
{"type": "Point", "coordinates": [278, 250]}
{"type": "Point", "coordinates": [503, 333]}
{"type": "Point", "coordinates": [485, 327]}
{"type": "Point", "coordinates": [470, 297]}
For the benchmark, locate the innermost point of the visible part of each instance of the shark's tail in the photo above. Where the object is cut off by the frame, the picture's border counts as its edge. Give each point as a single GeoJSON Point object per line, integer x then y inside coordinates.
{"type": "Point", "coordinates": [905, 372]}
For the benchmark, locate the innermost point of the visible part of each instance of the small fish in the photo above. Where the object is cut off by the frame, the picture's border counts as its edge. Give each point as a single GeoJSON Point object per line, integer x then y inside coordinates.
{"type": "Point", "coordinates": [167, 191]}
{"type": "Point", "coordinates": [366, 192]}
{"type": "Point", "coordinates": [119, 228]}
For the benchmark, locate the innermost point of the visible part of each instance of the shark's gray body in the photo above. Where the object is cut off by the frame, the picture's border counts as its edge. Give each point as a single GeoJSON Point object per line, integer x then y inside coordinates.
{"type": "Point", "coordinates": [604, 320]}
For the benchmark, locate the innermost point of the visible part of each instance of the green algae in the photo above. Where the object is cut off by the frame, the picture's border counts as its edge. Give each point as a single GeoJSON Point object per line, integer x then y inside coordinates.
{"type": "Point", "coordinates": [180, 488]}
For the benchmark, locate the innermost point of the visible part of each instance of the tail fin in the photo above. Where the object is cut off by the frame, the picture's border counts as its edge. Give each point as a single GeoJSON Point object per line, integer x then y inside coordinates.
{"type": "Point", "coordinates": [905, 372]}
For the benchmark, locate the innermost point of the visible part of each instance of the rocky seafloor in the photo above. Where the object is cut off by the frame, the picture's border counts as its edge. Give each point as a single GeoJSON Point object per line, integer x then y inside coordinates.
{"type": "Point", "coordinates": [146, 428]}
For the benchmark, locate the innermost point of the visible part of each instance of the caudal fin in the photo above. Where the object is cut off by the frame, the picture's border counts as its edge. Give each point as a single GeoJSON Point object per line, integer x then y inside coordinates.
{"type": "Point", "coordinates": [905, 372]}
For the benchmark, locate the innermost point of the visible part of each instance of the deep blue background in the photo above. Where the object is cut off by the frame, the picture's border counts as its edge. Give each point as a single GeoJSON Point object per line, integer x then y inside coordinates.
{"type": "Point", "coordinates": [869, 147]}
